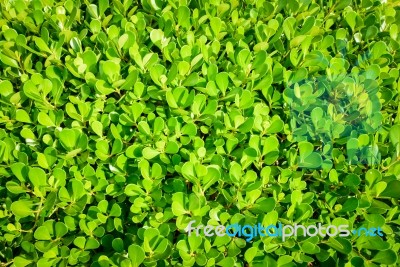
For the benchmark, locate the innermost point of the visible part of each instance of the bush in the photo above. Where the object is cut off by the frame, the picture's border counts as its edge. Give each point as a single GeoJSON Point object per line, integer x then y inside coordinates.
{"type": "Point", "coordinates": [123, 122]}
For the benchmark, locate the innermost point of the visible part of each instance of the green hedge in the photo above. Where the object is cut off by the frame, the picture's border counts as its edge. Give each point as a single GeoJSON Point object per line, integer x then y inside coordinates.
{"type": "Point", "coordinates": [121, 122]}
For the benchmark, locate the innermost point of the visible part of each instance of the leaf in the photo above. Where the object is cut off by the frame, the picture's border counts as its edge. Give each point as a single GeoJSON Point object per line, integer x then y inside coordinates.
{"type": "Point", "coordinates": [156, 71]}
{"type": "Point", "coordinates": [340, 244]}
{"type": "Point", "coordinates": [118, 245]}
{"type": "Point", "coordinates": [275, 126]}
{"type": "Point", "coordinates": [21, 262]}
{"type": "Point", "coordinates": [395, 134]}
{"type": "Point", "coordinates": [351, 19]}
{"type": "Point", "coordinates": [149, 153]}
{"type": "Point", "coordinates": [68, 138]}
{"type": "Point", "coordinates": [178, 204]}
{"type": "Point", "coordinates": [14, 187]}
{"type": "Point", "coordinates": [216, 25]}
{"type": "Point", "coordinates": [38, 177]}
{"type": "Point", "coordinates": [22, 208]}
{"type": "Point", "coordinates": [110, 69]}
{"type": "Point", "coordinates": [350, 205]}
{"type": "Point", "coordinates": [22, 116]}
{"type": "Point", "coordinates": [80, 242]}
{"type": "Point", "coordinates": [171, 100]}
{"type": "Point", "coordinates": [42, 45]}
{"type": "Point", "coordinates": [42, 233]}
{"type": "Point", "coordinates": [144, 128]}
{"type": "Point", "coordinates": [158, 126]}
{"type": "Point", "coordinates": [392, 189]}
{"type": "Point", "coordinates": [133, 190]}
{"type": "Point", "coordinates": [315, 58]}
{"type": "Point", "coordinates": [103, 6]}
{"type": "Point", "coordinates": [172, 147]}
{"type": "Point", "coordinates": [387, 257]}
{"type": "Point", "coordinates": [6, 88]}
{"type": "Point", "coordinates": [92, 243]}
{"type": "Point", "coordinates": [97, 127]}
{"type": "Point", "coordinates": [308, 158]}
{"type": "Point", "coordinates": [60, 229]}
{"type": "Point", "coordinates": [136, 255]}
{"type": "Point", "coordinates": [45, 120]}
{"type": "Point", "coordinates": [250, 254]}
{"type": "Point", "coordinates": [183, 15]}
{"type": "Point", "coordinates": [8, 61]}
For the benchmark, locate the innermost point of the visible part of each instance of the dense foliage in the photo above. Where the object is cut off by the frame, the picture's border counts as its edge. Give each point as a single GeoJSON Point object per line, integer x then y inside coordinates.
{"type": "Point", "coordinates": [123, 121]}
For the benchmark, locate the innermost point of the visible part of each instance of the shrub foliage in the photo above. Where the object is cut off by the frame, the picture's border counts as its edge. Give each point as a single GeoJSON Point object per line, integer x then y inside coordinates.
{"type": "Point", "coordinates": [123, 121]}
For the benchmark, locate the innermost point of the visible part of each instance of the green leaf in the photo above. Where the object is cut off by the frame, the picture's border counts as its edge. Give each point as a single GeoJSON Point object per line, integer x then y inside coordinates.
{"type": "Point", "coordinates": [308, 158]}
{"type": "Point", "coordinates": [69, 138]}
{"type": "Point", "coordinates": [315, 58]}
{"type": "Point", "coordinates": [45, 120]}
{"type": "Point", "coordinates": [22, 116]}
{"type": "Point", "coordinates": [8, 61]}
{"type": "Point", "coordinates": [6, 88]}
{"type": "Point", "coordinates": [158, 125]}
{"type": "Point", "coordinates": [149, 153]}
{"type": "Point", "coordinates": [178, 204]}
{"type": "Point", "coordinates": [395, 134]}
{"type": "Point", "coordinates": [350, 205]}
{"type": "Point", "coordinates": [80, 242]}
{"type": "Point", "coordinates": [42, 233]}
{"type": "Point", "coordinates": [97, 127]}
{"type": "Point", "coordinates": [250, 254]}
{"type": "Point", "coordinates": [183, 15]}
{"type": "Point", "coordinates": [156, 71]}
{"type": "Point", "coordinates": [22, 208]}
{"type": "Point", "coordinates": [172, 147]}
{"type": "Point", "coordinates": [351, 19]}
{"type": "Point", "coordinates": [392, 189]}
{"type": "Point", "coordinates": [216, 25]}
{"type": "Point", "coordinates": [387, 257]}
{"type": "Point", "coordinates": [21, 262]}
{"type": "Point", "coordinates": [38, 177]}
{"type": "Point", "coordinates": [118, 244]}
{"type": "Point", "coordinates": [144, 128]}
{"type": "Point", "coordinates": [92, 243]}
{"type": "Point", "coordinates": [110, 69]}
{"type": "Point", "coordinates": [14, 187]}
{"type": "Point", "coordinates": [42, 45]}
{"type": "Point", "coordinates": [136, 255]}
{"type": "Point", "coordinates": [61, 229]}
{"type": "Point", "coordinates": [340, 244]}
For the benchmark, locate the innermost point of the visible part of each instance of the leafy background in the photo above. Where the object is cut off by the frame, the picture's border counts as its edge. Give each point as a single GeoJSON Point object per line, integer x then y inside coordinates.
{"type": "Point", "coordinates": [123, 121]}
